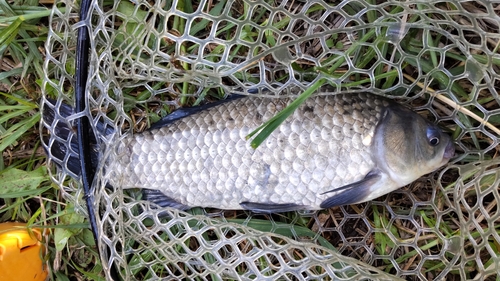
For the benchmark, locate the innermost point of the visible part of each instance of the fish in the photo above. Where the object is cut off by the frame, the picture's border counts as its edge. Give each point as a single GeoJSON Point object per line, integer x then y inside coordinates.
{"type": "Point", "coordinates": [332, 150]}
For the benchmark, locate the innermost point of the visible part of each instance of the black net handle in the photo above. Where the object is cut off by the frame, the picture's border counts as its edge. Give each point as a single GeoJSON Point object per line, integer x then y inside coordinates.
{"type": "Point", "coordinates": [83, 123]}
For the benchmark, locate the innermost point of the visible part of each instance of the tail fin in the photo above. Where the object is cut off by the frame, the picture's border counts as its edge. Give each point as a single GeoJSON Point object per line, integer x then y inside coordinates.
{"type": "Point", "coordinates": [62, 146]}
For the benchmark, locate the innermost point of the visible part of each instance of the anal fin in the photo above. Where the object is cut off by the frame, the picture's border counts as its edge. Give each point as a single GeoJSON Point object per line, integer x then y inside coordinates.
{"type": "Point", "coordinates": [162, 200]}
{"type": "Point", "coordinates": [268, 208]}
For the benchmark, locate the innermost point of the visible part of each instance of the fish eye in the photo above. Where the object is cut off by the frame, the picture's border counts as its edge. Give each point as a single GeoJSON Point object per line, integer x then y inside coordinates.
{"type": "Point", "coordinates": [433, 136]}
{"type": "Point", "coordinates": [434, 141]}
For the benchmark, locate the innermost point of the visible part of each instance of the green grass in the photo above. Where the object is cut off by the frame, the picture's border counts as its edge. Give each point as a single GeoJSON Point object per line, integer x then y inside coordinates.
{"type": "Point", "coordinates": [27, 194]}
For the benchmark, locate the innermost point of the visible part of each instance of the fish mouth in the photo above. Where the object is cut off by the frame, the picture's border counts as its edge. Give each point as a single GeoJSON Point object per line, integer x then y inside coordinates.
{"type": "Point", "coordinates": [449, 151]}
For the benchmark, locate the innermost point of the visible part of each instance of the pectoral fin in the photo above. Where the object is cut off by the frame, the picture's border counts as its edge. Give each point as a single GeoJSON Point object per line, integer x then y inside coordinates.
{"type": "Point", "coordinates": [352, 193]}
{"type": "Point", "coordinates": [270, 208]}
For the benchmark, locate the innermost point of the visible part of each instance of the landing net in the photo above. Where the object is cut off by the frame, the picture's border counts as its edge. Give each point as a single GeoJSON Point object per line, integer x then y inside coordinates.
{"type": "Point", "coordinates": [148, 58]}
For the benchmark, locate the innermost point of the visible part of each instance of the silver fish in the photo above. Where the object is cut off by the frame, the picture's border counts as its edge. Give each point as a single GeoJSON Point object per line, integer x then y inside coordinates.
{"type": "Point", "coordinates": [333, 150]}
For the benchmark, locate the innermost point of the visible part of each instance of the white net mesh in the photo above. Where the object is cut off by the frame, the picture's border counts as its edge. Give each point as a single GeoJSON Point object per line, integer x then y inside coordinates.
{"type": "Point", "coordinates": [149, 57]}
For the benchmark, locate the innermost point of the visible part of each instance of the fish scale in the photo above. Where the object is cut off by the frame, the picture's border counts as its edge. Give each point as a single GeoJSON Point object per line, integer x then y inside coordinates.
{"type": "Point", "coordinates": [204, 159]}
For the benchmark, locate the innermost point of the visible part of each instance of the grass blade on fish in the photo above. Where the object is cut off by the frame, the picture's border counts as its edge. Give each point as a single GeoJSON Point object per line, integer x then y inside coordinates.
{"type": "Point", "coordinates": [269, 126]}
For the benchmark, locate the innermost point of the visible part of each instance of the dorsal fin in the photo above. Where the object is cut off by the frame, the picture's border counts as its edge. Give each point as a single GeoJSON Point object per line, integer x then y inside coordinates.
{"type": "Point", "coordinates": [184, 112]}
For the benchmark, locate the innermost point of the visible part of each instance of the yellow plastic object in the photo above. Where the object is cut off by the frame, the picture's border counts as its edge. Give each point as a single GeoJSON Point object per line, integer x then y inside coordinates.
{"type": "Point", "coordinates": [20, 253]}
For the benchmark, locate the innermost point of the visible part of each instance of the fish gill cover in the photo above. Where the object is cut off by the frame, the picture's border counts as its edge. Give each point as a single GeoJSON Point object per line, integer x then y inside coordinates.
{"type": "Point", "coordinates": [148, 58]}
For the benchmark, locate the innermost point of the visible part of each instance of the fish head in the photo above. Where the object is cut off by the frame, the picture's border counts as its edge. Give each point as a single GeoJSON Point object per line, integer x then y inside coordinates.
{"type": "Point", "coordinates": [407, 146]}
